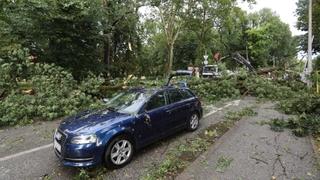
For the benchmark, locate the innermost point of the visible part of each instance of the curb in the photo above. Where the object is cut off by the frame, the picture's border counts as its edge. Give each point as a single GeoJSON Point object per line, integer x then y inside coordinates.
{"type": "Point", "coordinates": [314, 148]}
{"type": "Point", "coordinates": [184, 175]}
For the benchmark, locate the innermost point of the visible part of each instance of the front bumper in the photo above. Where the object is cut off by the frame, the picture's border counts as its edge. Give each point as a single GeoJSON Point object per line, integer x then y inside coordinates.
{"type": "Point", "coordinates": [76, 155]}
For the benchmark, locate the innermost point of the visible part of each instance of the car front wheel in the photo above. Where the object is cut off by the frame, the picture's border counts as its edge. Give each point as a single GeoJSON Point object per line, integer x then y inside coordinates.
{"type": "Point", "coordinates": [119, 152]}
{"type": "Point", "coordinates": [193, 123]}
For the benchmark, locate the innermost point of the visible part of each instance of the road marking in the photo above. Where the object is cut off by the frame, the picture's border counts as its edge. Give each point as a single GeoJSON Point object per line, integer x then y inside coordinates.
{"type": "Point", "coordinates": [235, 103]}
{"type": "Point", "coordinates": [25, 152]}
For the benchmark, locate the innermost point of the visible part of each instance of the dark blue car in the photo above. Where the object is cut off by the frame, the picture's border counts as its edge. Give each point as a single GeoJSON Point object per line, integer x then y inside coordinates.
{"type": "Point", "coordinates": [131, 120]}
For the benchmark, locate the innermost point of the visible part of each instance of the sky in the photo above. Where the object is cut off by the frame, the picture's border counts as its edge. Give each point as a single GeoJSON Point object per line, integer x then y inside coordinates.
{"type": "Point", "coordinates": [284, 8]}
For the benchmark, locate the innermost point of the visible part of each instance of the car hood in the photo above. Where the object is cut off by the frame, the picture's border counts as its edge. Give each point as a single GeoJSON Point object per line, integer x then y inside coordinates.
{"type": "Point", "coordinates": [91, 121]}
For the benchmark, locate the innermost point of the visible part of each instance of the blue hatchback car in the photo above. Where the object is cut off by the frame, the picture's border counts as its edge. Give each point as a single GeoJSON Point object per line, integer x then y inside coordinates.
{"type": "Point", "coordinates": [131, 120]}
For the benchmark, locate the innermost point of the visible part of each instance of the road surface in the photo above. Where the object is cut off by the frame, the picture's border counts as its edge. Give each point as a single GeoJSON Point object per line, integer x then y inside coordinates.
{"type": "Point", "coordinates": [27, 152]}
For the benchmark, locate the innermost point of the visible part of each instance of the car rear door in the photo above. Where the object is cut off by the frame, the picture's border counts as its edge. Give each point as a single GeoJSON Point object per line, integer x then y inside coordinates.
{"type": "Point", "coordinates": [189, 101]}
{"type": "Point", "coordinates": [177, 110]}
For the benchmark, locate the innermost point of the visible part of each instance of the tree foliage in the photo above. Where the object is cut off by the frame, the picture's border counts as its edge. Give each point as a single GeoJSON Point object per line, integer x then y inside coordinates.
{"type": "Point", "coordinates": [269, 40]}
{"type": "Point", "coordinates": [62, 32]}
{"type": "Point", "coordinates": [114, 38]}
{"type": "Point", "coordinates": [170, 14]}
{"type": "Point", "coordinates": [56, 54]}
{"type": "Point", "coordinates": [48, 92]}
{"type": "Point", "coordinates": [121, 40]}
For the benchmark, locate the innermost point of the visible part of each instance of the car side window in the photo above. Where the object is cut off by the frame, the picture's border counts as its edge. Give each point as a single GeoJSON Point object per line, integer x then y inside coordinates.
{"type": "Point", "coordinates": [186, 93]}
{"type": "Point", "coordinates": [175, 95]}
{"type": "Point", "coordinates": [156, 101]}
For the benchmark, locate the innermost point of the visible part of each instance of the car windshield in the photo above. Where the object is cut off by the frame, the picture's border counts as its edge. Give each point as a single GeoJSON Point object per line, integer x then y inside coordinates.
{"type": "Point", "coordinates": [128, 102]}
{"type": "Point", "coordinates": [209, 69]}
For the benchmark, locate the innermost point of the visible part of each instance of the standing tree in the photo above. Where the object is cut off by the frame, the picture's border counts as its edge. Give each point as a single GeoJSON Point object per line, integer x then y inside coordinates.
{"type": "Point", "coordinates": [121, 39]}
{"type": "Point", "coordinates": [170, 13]}
{"type": "Point", "coordinates": [270, 40]}
{"type": "Point", "coordinates": [219, 25]}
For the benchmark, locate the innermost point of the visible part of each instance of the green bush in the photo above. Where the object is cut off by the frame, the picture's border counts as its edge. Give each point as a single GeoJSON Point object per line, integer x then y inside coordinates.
{"type": "Point", "coordinates": [301, 102]}
{"type": "Point", "coordinates": [264, 88]}
{"type": "Point", "coordinates": [305, 124]}
{"type": "Point", "coordinates": [55, 93]}
{"type": "Point", "coordinates": [12, 67]}
{"type": "Point", "coordinates": [17, 108]}
{"type": "Point", "coordinates": [215, 90]}
{"type": "Point", "coordinates": [302, 125]}
{"type": "Point", "coordinates": [278, 125]}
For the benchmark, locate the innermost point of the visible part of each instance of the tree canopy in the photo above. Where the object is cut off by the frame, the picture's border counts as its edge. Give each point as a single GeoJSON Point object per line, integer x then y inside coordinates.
{"type": "Point", "coordinates": [142, 37]}
{"type": "Point", "coordinates": [270, 40]}
{"type": "Point", "coordinates": [59, 57]}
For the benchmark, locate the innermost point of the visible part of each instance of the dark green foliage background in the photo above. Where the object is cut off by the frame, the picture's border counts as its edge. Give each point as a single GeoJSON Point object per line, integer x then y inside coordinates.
{"type": "Point", "coordinates": [69, 54]}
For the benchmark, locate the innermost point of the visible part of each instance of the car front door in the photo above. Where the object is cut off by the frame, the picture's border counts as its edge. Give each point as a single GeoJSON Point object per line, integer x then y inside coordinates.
{"type": "Point", "coordinates": [151, 120]}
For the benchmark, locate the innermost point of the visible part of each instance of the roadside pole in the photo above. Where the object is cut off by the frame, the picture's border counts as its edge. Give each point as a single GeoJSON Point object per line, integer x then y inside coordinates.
{"type": "Point", "coordinates": [318, 81]}
{"type": "Point", "coordinates": [309, 68]}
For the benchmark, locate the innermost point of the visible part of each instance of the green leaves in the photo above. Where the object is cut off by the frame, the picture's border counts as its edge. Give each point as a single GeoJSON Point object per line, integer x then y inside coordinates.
{"type": "Point", "coordinates": [302, 125]}
{"type": "Point", "coordinates": [54, 93]}
{"type": "Point", "coordinates": [301, 102]}
{"type": "Point", "coordinates": [223, 163]}
{"type": "Point", "coordinates": [269, 39]}
{"type": "Point", "coordinates": [62, 32]}
{"type": "Point", "coordinates": [213, 91]}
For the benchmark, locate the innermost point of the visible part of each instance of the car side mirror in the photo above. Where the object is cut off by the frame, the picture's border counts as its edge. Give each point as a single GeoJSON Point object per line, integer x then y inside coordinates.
{"type": "Point", "coordinates": [146, 118]}
{"type": "Point", "coordinates": [105, 100]}
{"type": "Point", "coordinates": [144, 112]}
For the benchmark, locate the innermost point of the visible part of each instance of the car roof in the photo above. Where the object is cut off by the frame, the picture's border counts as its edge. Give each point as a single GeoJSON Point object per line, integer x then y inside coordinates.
{"type": "Point", "coordinates": [154, 89]}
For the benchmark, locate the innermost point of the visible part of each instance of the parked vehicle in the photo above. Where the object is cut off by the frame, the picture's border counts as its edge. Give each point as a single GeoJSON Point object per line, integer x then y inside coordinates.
{"type": "Point", "coordinates": [131, 120]}
{"type": "Point", "coordinates": [211, 71]}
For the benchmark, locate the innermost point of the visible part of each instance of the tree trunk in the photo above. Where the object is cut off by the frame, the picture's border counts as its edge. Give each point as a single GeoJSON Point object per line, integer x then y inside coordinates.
{"type": "Point", "coordinates": [170, 62]}
{"type": "Point", "coordinates": [107, 51]}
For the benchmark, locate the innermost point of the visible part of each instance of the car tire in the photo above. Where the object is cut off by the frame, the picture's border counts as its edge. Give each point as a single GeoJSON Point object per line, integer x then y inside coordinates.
{"type": "Point", "coordinates": [193, 122]}
{"type": "Point", "coordinates": [119, 152]}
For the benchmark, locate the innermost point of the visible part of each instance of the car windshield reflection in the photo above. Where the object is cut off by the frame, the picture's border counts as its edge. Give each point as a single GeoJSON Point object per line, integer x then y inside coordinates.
{"type": "Point", "coordinates": [128, 102]}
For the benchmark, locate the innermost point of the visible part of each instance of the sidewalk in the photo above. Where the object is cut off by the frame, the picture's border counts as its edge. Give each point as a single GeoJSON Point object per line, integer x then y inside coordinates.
{"type": "Point", "coordinates": [252, 151]}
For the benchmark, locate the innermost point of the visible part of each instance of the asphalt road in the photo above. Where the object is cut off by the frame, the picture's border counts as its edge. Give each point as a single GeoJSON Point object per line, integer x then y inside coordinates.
{"type": "Point", "coordinates": [254, 151]}
{"type": "Point", "coordinates": [27, 153]}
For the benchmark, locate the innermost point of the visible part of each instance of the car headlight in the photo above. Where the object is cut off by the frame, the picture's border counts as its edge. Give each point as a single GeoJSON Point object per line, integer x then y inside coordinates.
{"type": "Point", "coordinates": [84, 139]}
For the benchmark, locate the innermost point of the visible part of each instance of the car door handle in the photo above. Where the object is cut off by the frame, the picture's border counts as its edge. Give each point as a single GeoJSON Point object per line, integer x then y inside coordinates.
{"type": "Point", "coordinates": [169, 111]}
{"type": "Point", "coordinates": [175, 108]}
{"type": "Point", "coordinates": [178, 108]}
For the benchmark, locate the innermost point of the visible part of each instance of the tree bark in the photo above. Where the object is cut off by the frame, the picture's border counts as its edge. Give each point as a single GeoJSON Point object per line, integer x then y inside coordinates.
{"type": "Point", "coordinates": [170, 59]}
{"type": "Point", "coordinates": [107, 51]}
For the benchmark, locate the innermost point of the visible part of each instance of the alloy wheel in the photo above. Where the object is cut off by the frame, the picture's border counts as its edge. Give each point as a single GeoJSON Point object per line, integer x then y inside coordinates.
{"type": "Point", "coordinates": [121, 152]}
{"type": "Point", "coordinates": [194, 121]}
